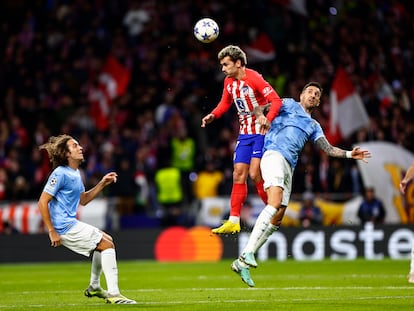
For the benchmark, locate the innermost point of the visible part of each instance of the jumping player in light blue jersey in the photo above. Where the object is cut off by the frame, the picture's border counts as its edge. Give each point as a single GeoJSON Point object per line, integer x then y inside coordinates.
{"type": "Point", "coordinates": [291, 130]}
{"type": "Point", "coordinates": [58, 204]}
{"type": "Point", "coordinates": [284, 140]}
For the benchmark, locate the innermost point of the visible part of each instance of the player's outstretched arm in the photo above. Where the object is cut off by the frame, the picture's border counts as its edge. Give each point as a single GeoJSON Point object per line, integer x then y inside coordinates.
{"type": "Point", "coordinates": [359, 154]}
{"type": "Point", "coordinates": [356, 153]}
{"type": "Point", "coordinates": [207, 119]}
{"type": "Point", "coordinates": [91, 194]}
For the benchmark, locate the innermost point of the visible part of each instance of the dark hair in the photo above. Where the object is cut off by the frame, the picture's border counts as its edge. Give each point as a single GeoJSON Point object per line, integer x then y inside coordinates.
{"type": "Point", "coordinates": [313, 83]}
{"type": "Point", "coordinates": [57, 148]}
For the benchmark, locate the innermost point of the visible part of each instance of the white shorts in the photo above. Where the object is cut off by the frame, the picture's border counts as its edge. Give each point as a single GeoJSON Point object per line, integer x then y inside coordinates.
{"type": "Point", "coordinates": [277, 172]}
{"type": "Point", "coordinates": [82, 238]}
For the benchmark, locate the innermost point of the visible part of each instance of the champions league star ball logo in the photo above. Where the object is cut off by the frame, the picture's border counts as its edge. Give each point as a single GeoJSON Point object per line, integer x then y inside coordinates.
{"type": "Point", "coordinates": [206, 30]}
{"type": "Point", "coordinates": [53, 181]}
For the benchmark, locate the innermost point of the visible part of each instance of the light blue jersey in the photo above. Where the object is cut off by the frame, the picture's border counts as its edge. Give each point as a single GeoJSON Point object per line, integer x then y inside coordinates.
{"type": "Point", "coordinates": [290, 131]}
{"type": "Point", "coordinates": [65, 185]}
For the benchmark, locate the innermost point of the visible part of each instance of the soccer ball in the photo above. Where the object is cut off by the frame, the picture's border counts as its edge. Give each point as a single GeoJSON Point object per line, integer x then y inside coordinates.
{"type": "Point", "coordinates": [206, 30]}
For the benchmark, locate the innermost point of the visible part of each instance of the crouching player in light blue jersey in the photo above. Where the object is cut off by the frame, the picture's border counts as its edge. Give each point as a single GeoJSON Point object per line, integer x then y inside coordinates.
{"type": "Point", "coordinates": [58, 204]}
{"type": "Point", "coordinates": [283, 143]}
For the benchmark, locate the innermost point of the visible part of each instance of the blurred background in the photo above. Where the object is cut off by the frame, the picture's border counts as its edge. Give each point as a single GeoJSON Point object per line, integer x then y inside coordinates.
{"type": "Point", "coordinates": [129, 80]}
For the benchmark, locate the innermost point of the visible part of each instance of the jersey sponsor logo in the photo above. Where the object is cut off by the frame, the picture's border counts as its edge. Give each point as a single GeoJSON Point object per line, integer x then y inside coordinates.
{"type": "Point", "coordinates": [240, 104]}
{"type": "Point", "coordinates": [256, 152]}
{"type": "Point", "coordinates": [246, 113]}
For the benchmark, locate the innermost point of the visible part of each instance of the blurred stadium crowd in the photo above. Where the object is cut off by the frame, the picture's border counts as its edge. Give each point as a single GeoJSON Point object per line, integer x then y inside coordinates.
{"type": "Point", "coordinates": [52, 53]}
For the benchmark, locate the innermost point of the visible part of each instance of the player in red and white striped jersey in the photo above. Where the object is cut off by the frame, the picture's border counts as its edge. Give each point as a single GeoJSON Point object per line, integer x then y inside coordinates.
{"type": "Point", "coordinates": [247, 89]}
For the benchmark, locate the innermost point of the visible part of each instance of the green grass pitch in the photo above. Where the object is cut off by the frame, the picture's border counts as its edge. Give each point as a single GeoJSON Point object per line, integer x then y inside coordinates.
{"type": "Point", "coordinates": [290, 285]}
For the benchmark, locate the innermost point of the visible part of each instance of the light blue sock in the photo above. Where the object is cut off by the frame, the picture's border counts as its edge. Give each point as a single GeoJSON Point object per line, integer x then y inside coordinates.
{"type": "Point", "coordinates": [259, 229]}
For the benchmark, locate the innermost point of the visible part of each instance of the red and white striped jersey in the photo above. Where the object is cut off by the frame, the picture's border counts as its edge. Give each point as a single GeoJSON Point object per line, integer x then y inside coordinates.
{"type": "Point", "coordinates": [246, 94]}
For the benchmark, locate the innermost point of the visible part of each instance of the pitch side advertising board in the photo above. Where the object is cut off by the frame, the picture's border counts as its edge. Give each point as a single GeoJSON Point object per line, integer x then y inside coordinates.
{"type": "Point", "coordinates": [197, 244]}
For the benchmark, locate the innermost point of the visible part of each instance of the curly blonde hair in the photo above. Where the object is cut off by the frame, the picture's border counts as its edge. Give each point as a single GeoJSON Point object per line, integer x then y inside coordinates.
{"type": "Point", "coordinates": [57, 149]}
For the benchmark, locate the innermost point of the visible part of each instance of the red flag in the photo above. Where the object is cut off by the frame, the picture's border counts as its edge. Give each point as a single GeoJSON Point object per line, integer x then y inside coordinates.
{"type": "Point", "coordinates": [347, 111]}
{"type": "Point", "coordinates": [112, 82]}
{"type": "Point", "coordinates": [261, 49]}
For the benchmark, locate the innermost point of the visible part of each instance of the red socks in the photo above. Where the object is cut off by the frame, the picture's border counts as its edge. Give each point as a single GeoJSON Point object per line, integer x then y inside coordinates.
{"type": "Point", "coordinates": [237, 198]}
{"type": "Point", "coordinates": [261, 192]}
{"type": "Point", "coordinates": [239, 195]}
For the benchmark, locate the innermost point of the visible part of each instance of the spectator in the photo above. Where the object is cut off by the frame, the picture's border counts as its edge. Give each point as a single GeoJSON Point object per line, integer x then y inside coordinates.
{"type": "Point", "coordinates": [169, 194]}
{"type": "Point", "coordinates": [20, 189]}
{"type": "Point", "coordinates": [7, 228]}
{"type": "Point", "coordinates": [310, 214]}
{"type": "Point", "coordinates": [135, 19]}
{"type": "Point", "coordinates": [183, 152]}
{"type": "Point", "coordinates": [142, 179]}
{"type": "Point", "coordinates": [4, 184]}
{"type": "Point", "coordinates": [371, 209]}
{"type": "Point", "coordinates": [339, 181]}
{"type": "Point", "coordinates": [125, 188]}
{"type": "Point", "coordinates": [208, 181]}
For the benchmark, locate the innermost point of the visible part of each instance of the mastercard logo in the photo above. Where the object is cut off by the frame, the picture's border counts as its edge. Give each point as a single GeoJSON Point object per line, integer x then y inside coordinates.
{"type": "Point", "coordinates": [188, 244]}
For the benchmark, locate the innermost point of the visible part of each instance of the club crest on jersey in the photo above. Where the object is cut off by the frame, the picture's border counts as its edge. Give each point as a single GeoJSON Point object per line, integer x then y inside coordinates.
{"type": "Point", "coordinates": [245, 90]}
{"type": "Point", "coordinates": [53, 181]}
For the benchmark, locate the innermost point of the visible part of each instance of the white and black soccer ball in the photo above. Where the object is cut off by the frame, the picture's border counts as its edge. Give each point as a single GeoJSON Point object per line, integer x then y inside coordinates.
{"type": "Point", "coordinates": [206, 30]}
